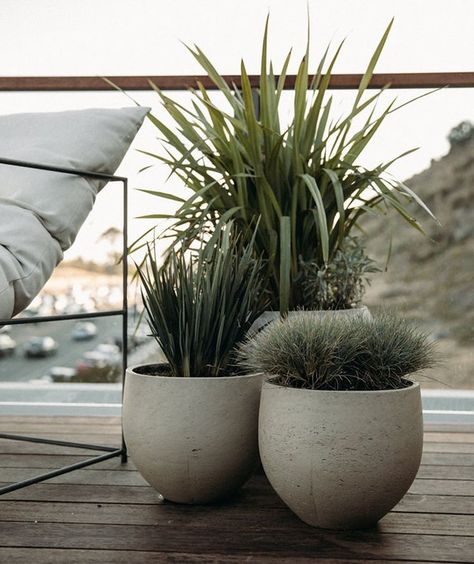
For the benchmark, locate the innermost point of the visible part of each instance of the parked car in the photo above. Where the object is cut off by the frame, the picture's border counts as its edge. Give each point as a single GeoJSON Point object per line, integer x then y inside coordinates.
{"type": "Point", "coordinates": [101, 365]}
{"type": "Point", "coordinates": [84, 331]}
{"type": "Point", "coordinates": [91, 359]}
{"type": "Point", "coordinates": [36, 347]}
{"type": "Point", "coordinates": [134, 340]}
{"type": "Point", "coordinates": [5, 329]}
{"type": "Point", "coordinates": [61, 374]}
{"type": "Point", "coordinates": [7, 345]}
{"type": "Point", "coordinates": [112, 352]}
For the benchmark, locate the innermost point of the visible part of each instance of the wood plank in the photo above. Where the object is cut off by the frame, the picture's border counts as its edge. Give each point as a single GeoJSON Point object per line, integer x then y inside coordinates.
{"type": "Point", "coordinates": [447, 459]}
{"type": "Point", "coordinates": [250, 494]}
{"type": "Point", "coordinates": [114, 439]}
{"type": "Point", "coordinates": [43, 461]}
{"type": "Point", "coordinates": [451, 463]}
{"type": "Point", "coordinates": [449, 437]}
{"type": "Point", "coordinates": [86, 476]}
{"type": "Point", "coordinates": [184, 82]}
{"type": "Point", "coordinates": [424, 486]}
{"type": "Point", "coordinates": [438, 466]}
{"type": "Point", "coordinates": [426, 482]}
{"type": "Point", "coordinates": [84, 493]}
{"type": "Point", "coordinates": [49, 428]}
{"type": "Point", "coordinates": [439, 472]}
{"type": "Point", "coordinates": [306, 542]}
{"type": "Point", "coordinates": [77, 556]}
{"type": "Point", "coordinates": [453, 448]}
{"type": "Point", "coordinates": [85, 437]}
{"type": "Point", "coordinates": [449, 427]}
{"type": "Point", "coordinates": [15, 447]}
{"type": "Point", "coordinates": [246, 516]}
{"type": "Point", "coordinates": [443, 487]}
{"type": "Point", "coordinates": [440, 504]}
{"type": "Point", "coordinates": [427, 523]}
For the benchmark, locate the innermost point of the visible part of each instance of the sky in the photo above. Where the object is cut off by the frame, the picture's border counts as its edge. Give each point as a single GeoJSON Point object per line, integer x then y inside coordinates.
{"type": "Point", "coordinates": [145, 37]}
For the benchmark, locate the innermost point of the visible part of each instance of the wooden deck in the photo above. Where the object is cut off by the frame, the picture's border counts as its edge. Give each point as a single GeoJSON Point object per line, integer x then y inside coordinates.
{"type": "Point", "coordinates": [108, 514]}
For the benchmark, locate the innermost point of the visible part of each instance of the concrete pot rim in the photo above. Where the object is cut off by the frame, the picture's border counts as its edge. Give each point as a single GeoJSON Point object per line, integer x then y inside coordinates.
{"type": "Point", "coordinates": [267, 383]}
{"type": "Point", "coordinates": [131, 369]}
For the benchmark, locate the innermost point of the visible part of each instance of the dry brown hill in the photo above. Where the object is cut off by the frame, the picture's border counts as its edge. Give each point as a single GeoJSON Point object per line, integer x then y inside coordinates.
{"type": "Point", "coordinates": [431, 279]}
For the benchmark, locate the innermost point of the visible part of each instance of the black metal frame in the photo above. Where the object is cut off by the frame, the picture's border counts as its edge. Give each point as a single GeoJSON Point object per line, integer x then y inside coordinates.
{"type": "Point", "coordinates": [110, 452]}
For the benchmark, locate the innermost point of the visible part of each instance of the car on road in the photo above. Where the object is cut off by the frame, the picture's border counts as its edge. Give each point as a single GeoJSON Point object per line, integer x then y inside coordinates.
{"type": "Point", "coordinates": [37, 347]}
{"type": "Point", "coordinates": [100, 365]}
{"type": "Point", "coordinates": [84, 331]}
{"type": "Point", "coordinates": [112, 352]}
{"type": "Point", "coordinates": [61, 374]}
{"type": "Point", "coordinates": [7, 345]}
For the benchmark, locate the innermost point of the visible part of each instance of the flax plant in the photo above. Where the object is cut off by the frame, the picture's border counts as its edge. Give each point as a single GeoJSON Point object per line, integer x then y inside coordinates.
{"type": "Point", "coordinates": [303, 181]}
{"type": "Point", "coordinates": [200, 305]}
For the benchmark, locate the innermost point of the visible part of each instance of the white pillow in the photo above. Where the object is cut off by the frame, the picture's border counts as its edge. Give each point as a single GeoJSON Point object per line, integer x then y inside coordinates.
{"type": "Point", "coordinates": [40, 211]}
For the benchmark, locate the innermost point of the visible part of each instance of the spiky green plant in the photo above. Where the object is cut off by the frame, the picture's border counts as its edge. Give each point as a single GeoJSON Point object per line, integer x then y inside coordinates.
{"type": "Point", "coordinates": [302, 180]}
{"type": "Point", "coordinates": [338, 353]}
{"type": "Point", "coordinates": [200, 306]}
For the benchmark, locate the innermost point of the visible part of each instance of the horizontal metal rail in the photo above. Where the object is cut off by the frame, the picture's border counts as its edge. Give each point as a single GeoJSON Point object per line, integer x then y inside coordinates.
{"type": "Point", "coordinates": [64, 170]}
{"type": "Point", "coordinates": [43, 318]}
{"type": "Point", "coordinates": [184, 82]}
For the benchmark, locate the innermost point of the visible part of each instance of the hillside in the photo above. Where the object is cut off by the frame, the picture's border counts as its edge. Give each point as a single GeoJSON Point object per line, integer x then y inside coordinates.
{"type": "Point", "coordinates": [431, 279]}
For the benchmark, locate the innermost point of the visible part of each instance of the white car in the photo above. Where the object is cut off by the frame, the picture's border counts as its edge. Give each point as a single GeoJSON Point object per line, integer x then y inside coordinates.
{"type": "Point", "coordinates": [84, 330]}
{"type": "Point", "coordinates": [7, 345]}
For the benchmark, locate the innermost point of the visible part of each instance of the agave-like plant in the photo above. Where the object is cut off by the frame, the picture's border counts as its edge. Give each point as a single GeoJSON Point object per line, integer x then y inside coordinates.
{"type": "Point", "coordinates": [200, 306]}
{"type": "Point", "coordinates": [302, 180]}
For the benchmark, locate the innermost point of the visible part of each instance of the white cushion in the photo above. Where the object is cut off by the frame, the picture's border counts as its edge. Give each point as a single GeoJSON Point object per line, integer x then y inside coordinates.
{"type": "Point", "coordinates": [41, 212]}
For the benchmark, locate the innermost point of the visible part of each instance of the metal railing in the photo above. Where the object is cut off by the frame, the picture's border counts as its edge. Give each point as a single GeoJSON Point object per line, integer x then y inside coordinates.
{"type": "Point", "coordinates": [111, 452]}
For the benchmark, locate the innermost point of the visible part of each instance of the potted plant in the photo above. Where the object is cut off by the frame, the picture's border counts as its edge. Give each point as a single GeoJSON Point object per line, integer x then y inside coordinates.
{"type": "Point", "coordinates": [191, 425]}
{"type": "Point", "coordinates": [340, 427]}
{"type": "Point", "coordinates": [301, 179]}
{"type": "Point", "coordinates": [335, 288]}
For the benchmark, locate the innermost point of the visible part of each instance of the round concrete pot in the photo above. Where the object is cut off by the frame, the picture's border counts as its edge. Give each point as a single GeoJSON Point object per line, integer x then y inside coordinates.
{"type": "Point", "coordinates": [268, 317]}
{"type": "Point", "coordinates": [340, 460]}
{"type": "Point", "coordinates": [194, 440]}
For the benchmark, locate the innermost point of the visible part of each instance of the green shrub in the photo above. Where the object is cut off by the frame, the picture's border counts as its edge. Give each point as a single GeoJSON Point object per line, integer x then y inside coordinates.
{"type": "Point", "coordinates": [338, 353]}
{"type": "Point", "coordinates": [200, 306]}
{"type": "Point", "coordinates": [339, 284]}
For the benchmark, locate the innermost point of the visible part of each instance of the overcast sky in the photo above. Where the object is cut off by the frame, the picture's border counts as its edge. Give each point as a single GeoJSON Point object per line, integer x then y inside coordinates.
{"type": "Point", "coordinates": [144, 37]}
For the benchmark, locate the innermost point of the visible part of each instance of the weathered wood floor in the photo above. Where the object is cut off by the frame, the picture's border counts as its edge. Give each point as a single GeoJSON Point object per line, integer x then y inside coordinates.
{"type": "Point", "coordinates": [108, 514]}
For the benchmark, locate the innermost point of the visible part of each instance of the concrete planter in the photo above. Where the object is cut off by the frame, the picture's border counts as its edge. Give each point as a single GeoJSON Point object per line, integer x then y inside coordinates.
{"type": "Point", "coordinates": [193, 439]}
{"type": "Point", "coordinates": [268, 317]}
{"type": "Point", "coordinates": [340, 460]}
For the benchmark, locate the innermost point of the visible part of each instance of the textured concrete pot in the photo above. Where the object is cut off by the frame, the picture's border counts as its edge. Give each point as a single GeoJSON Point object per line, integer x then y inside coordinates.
{"type": "Point", "coordinates": [340, 460]}
{"type": "Point", "coordinates": [268, 317]}
{"type": "Point", "coordinates": [194, 440]}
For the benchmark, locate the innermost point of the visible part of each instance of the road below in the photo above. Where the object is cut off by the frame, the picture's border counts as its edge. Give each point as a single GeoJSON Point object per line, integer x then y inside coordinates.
{"type": "Point", "coordinates": [18, 368]}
